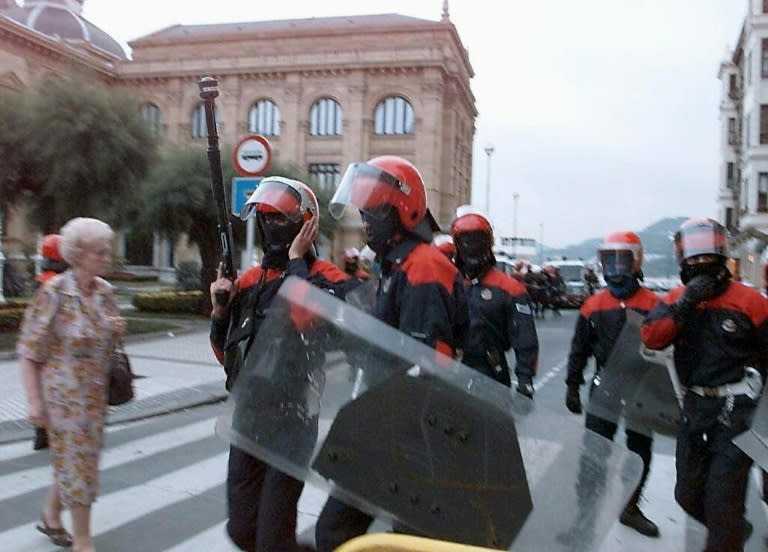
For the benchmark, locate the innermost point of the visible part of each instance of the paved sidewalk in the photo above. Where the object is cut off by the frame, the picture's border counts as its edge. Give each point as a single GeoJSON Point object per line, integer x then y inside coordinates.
{"type": "Point", "coordinates": [176, 370]}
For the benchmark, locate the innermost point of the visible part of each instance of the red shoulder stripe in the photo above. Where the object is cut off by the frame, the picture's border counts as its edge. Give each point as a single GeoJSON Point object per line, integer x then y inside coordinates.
{"type": "Point", "coordinates": [329, 271]}
{"type": "Point", "coordinates": [503, 281]}
{"type": "Point", "coordinates": [426, 265]}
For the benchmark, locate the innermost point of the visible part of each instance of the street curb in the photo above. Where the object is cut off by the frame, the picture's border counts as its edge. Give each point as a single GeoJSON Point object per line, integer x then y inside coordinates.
{"type": "Point", "coordinates": [157, 405]}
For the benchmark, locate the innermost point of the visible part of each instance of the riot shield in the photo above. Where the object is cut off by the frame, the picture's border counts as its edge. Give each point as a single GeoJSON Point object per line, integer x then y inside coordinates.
{"type": "Point", "coordinates": [754, 442]}
{"type": "Point", "coordinates": [420, 439]}
{"type": "Point", "coordinates": [632, 388]}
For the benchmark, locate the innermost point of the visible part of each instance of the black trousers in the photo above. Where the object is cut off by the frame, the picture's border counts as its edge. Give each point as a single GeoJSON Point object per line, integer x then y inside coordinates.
{"type": "Point", "coordinates": [262, 505]}
{"type": "Point", "coordinates": [712, 472]}
{"type": "Point", "coordinates": [636, 442]}
{"type": "Point", "coordinates": [338, 523]}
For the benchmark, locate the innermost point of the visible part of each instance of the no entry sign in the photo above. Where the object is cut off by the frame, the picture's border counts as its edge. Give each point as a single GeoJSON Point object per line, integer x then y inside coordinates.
{"type": "Point", "coordinates": [252, 155]}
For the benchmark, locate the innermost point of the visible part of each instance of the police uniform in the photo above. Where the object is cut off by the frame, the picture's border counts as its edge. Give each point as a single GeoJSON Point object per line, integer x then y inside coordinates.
{"type": "Point", "coordinates": [500, 319]}
{"type": "Point", "coordinates": [261, 499]}
{"type": "Point", "coordinates": [718, 344]}
{"type": "Point", "coordinates": [420, 293]}
{"type": "Point", "coordinates": [601, 319]}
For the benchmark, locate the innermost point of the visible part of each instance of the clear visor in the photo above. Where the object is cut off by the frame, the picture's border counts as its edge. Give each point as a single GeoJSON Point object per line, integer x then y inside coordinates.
{"type": "Point", "coordinates": [617, 262]}
{"type": "Point", "coordinates": [369, 189]}
{"type": "Point", "coordinates": [277, 195]}
{"type": "Point", "coordinates": [700, 240]}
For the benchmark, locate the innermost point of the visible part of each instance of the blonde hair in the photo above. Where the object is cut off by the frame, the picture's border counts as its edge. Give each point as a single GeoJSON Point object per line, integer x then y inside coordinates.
{"type": "Point", "coordinates": [79, 233]}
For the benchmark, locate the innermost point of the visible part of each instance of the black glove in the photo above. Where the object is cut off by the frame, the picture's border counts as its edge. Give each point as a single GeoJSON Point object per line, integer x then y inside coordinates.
{"type": "Point", "coordinates": [573, 399]}
{"type": "Point", "coordinates": [525, 387]}
{"type": "Point", "coordinates": [698, 289]}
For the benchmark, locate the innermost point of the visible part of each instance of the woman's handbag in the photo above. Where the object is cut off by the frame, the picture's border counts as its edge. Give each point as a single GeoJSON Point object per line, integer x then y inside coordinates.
{"type": "Point", "coordinates": [120, 377]}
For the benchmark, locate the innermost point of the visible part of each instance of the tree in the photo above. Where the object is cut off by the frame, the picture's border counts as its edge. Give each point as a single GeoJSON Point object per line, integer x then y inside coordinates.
{"type": "Point", "coordinates": [179, 201]}
{"type": "Point", "coordinates": [91, 152]}
{"type": "Point", "coordinates": [14, 169]}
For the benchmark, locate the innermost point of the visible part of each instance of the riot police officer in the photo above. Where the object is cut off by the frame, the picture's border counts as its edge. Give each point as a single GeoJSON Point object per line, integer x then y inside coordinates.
{"type": "Point", "coordinates": [601, 319]}
{"type": "Point", "coordinates": [500, 314]}
{"type": "Point", "coordinates": [262, 500]}
{"type": "Point", "coordinates": [719, 328]}
{"type": "Point", "coordinates": [420, 291]}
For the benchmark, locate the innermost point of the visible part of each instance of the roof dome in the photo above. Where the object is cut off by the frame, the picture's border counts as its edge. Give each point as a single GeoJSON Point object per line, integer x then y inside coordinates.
{"type": "Point", "coordinates": [61, 18]}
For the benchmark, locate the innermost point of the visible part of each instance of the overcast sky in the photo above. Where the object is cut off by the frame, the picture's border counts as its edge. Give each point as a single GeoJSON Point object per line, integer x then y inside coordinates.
{"type": "Point", "coordinates": [603, 114]}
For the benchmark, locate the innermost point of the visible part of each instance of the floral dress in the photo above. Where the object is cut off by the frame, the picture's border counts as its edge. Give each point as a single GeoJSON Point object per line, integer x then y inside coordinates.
{"type": "Point", "coordinates": [69, 335]}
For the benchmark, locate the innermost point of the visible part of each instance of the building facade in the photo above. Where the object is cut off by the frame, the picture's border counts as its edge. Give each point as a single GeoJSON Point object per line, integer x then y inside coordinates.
{"type": "Point", "coordinates": [326, 92]}
{"type": "Point", "coordinates": [743, 190]}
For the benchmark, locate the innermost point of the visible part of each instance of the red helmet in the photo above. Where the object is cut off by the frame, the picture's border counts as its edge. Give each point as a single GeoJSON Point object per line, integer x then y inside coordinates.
{"type": "Point", "coordinates": [701, 236]}
{"type": "Point", "coordinates": [276, 194]}
{"type": "Point", "coordinates": [621, 254]}
{"type": "Point", "coordinates": [50, 247]}
{"type": "Point", "coordinates": [471, 222]}
{"type": "Point", "coordinates": [385, 182]}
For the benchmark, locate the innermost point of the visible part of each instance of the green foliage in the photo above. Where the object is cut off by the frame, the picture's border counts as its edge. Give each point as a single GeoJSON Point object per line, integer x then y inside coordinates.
{"type": "Point", "coordinates": [170, 301]}
{"type": "Point", "coordinates": [188, 275]}
{"type": "Point", "coordinates": [91, 151]}
{"type": "Point", "coordinates": [14, 148]}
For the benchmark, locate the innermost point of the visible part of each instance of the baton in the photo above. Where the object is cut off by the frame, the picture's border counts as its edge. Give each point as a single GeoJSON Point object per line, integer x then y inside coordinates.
{"type": "Point", "coordinates": [209, 91]}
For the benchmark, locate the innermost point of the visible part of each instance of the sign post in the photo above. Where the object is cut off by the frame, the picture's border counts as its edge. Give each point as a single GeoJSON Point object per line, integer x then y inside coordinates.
{"type": "Point", "coordinates": [251, 158]}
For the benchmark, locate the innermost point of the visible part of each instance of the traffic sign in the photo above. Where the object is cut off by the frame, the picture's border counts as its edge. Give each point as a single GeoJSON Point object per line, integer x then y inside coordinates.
{"type": "Point", "coordinates": [252, 155]}
{"type": "Point", "coordinates": [242, 188]}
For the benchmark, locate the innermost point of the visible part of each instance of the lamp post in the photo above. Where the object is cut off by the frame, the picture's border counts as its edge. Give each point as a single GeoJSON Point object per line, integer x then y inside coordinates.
{"type": "Point", "coordinates": [489, 149]}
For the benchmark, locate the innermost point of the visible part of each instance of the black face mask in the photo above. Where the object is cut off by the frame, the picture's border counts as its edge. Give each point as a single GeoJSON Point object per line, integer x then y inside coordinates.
{"type": "Point", "coordinates": [276, 241]}
{"type": "Point", "coordinates": [381, 233]}
{"type": "Point", "coordinates": [473, 253]}
{"type": "Point", "coordinates": [718, 271]}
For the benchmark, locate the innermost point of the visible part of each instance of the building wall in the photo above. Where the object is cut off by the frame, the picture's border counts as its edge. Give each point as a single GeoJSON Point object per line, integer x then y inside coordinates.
{"type": "Point", "coordinates": [422, 61]}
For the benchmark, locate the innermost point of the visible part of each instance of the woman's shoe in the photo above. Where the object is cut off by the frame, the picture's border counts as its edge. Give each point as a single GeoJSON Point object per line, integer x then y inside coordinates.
{"type": "Point", "coordinates": [58, 535]}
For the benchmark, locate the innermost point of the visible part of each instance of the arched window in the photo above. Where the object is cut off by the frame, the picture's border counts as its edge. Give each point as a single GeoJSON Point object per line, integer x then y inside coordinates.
{"type": "Point", "coordinates": [264, 118]}
{"type": "Point", "coordinates": [154, 118]}
{"type": "Point", "coordinates": [199, 130]}
{"type": "Point", "coordinates": [394, 115]}
{"type": "Point", "coordinates": [325, 118]}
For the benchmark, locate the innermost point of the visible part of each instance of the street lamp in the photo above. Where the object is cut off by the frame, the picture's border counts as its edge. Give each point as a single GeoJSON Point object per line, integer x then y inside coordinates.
{"type": "Point", "coordinates": [488, 152]}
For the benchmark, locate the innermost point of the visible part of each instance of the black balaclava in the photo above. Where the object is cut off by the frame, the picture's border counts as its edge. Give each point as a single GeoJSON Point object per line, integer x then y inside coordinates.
{"type": "Point", "coordinates": [381, 233]}
{"type": "Point", "coordinates": [276, 240]}
{"type": "Point", "coordinates": [474, 255]}
{"type": "Point", "coordinates": [716, 270]}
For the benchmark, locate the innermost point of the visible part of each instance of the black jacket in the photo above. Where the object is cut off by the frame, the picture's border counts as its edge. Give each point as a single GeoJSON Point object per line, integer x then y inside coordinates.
{"type": "Point", "coordinates": [601, 319]}
{"type": "Point", "coordinates": [717, 340]}
{"type": "Point", "coordinates": [501, 318]}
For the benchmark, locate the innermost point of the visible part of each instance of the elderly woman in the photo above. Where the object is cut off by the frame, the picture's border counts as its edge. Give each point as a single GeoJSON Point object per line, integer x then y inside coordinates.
{"type": "Point", "coordinates": [64, 348]}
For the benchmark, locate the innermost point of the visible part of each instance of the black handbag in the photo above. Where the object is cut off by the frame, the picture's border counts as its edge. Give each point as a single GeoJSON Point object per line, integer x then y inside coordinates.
{"type": "Point", "coordinates": [120, 377]}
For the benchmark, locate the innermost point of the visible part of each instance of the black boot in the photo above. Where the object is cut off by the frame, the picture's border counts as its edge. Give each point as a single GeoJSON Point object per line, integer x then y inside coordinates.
{"type": "Point", "coordinates": [634, 518]}
{"type": "Point", "coordinates": [41, 439]}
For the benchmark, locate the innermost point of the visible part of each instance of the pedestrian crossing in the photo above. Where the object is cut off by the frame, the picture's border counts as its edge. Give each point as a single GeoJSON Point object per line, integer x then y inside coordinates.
{"type": "Point", "coordinates": [163, 490]}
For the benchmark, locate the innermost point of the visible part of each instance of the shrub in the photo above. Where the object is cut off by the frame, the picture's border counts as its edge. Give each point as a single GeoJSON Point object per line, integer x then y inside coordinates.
{"type": "Point", "coordinates": [189, 302]}
{"type": "Point", "coordinates": [124, 276]}
{"type": "Point", "coordinates": [10, 318]}
{"type": "Point", "coordinates": [188, 275]}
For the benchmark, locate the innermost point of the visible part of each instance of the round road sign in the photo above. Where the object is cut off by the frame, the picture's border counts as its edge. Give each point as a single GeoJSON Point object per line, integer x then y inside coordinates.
{"type": "Point", "coordinates": [252, 155]}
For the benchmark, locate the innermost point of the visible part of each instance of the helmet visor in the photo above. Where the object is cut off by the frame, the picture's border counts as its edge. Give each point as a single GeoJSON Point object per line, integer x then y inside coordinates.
{"type": "Point", "coordinates": [276, 195]}
{"type": "Point", "coordinates": [701, 239]}
{"type": "Point", "coordinates": [369, 189]}
{"type": "Point", "coordinates": [617, 262]}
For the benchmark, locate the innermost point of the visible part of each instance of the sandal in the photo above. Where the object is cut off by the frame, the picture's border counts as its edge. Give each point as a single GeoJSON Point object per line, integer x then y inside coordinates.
{"type": "Point", "coordinates": [58, 535]}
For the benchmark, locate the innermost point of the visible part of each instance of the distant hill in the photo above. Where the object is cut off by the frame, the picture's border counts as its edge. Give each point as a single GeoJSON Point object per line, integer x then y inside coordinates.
{"type": "Point", "coordinates": [657, 245]}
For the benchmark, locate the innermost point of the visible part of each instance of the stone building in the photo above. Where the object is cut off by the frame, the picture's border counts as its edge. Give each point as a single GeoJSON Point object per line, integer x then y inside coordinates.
{"type": "Point", "coordinates": [325, 91]}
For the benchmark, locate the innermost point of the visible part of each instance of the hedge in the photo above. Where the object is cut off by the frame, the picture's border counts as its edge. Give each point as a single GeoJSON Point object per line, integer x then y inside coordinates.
{"type": "Point", "coordinates": [188, 302]}
{"type": "Point", "coordinates": [10, 318]}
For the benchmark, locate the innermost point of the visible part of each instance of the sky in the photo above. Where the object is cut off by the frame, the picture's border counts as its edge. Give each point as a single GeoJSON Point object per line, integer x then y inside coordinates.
{"type": "Point", "coordinates": [602, 114]}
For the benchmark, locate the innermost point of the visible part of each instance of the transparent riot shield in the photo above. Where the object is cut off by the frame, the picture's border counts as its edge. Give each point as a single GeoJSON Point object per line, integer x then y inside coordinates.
{"type": "Point", "coordinates": [634, 389]}
{"type": "Point", "coordinates": [419, 439]}
{"type": "Point", "coordinates": [754, 442]}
